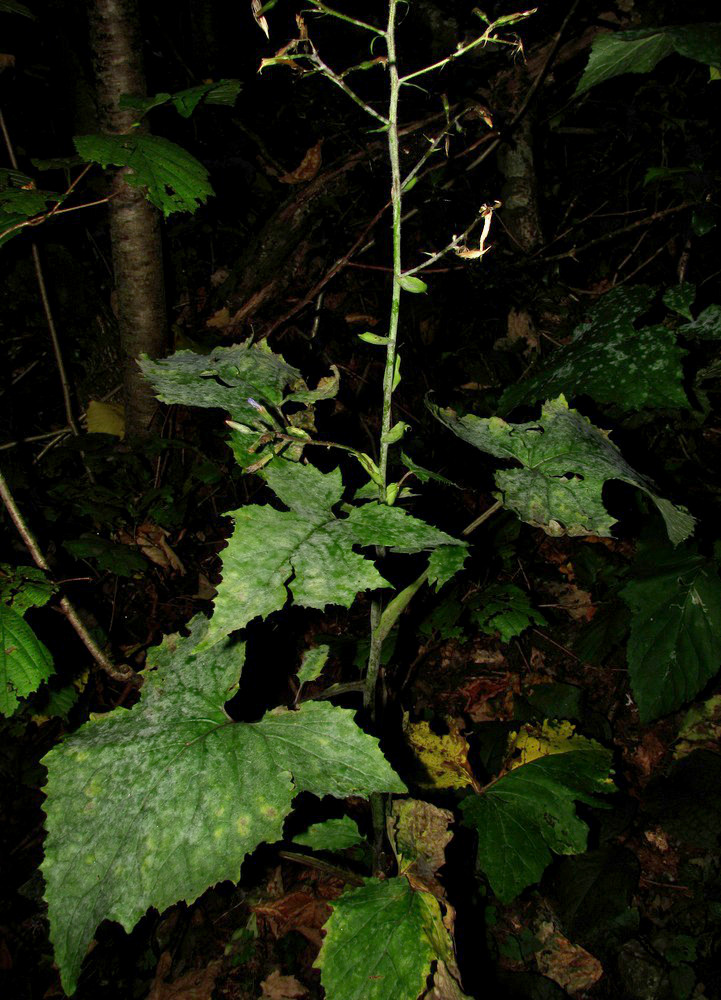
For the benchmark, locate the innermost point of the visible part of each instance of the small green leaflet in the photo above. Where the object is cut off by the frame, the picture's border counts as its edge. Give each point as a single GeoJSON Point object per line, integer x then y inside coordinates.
{"type": "Point", "coordinates": [680, 298]}
{"type": "Point", "coordinates": [444, 562]}
{"type": "Point", "coordinates": [675, 643]}
{"type": "Point", "coordinates": [529, 813]}
{"type": "Point", "coordinates": [175, 180]}
{"type": "Point", "coordinates": [409, 283]}
{"type": "Point", "coordinates": [307, 549]}
{"type": "Point", "coordinates": [507, 610]}
{"type": "Point", "coordinates": [610, 360]}
{"type": "Point", "coordinates": [331, 835]}
{"type": "Point", "coordinates": [153, 805]}
{"type": "Point", "coordinates": [640, 50]}
{"type": "Point", "coordinates": [380, 941]}
{"type": "Point", "coordinates": [425, 475]}
{"type": "Point", "coordinates": [312, 663]}
{"type": "Point", "coordinates": [186, 101]}
{"type": "Point", "coordinates": [24, 661]}
{"type": "Point", "coordinates": [707, 326]}
{"type": "Point", "coordinates": [566, 461]}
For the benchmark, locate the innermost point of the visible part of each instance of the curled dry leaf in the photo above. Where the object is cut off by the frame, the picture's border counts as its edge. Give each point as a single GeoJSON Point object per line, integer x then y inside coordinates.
{"type": "Point", "coordinates": [309, 167]}
{"type": "Point", "coordinates": [278, 987]}
{"type": "Point", "coordinates": [151, 539]}
{"type": "Point", "coordinates": [256, 7]}
{"type": "Point", "coordinates": [569, 965]}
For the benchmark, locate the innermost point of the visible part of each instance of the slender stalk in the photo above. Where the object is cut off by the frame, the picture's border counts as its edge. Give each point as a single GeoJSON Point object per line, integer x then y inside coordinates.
{"type": "Point", "coordinates": [376, 645]}
{"type": "Point", "coordinates": [122, 673]}
{"type": "Point", "coordinates": [325, 9]}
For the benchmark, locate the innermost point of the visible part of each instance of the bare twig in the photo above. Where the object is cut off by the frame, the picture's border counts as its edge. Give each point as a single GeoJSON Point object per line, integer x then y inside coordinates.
{"type": "Point", "coordinates": [118, 673]}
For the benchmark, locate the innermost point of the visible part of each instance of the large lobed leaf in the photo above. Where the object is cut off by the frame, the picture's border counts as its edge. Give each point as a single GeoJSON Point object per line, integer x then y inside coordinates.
{"type": "Point", "coordinates": [243, 379]}
{"type": "Point", "coordinates": [530, 812]}
{"type": "Point", "coordinates": [610, 360]}
{"type": "Point", "coordinates": [675, 644]}
{"type": "Point", "coordinates": [153, 805]}
{"type": "Point", "coordinates": [380, 941]}
{"type": "Point", "coordinates": [639, 50]}
{"type": "Point", "coordinates": [566, 461]}
{"type": "Point", "coordinates": [307, 549]}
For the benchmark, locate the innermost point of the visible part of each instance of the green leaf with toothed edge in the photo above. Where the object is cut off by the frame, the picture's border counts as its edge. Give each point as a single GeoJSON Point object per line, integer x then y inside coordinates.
{"type": "Point", "coordinates": [307, 550]}
{"type": "Point", "coordinates": [175, 180]}
{"type": "Point", "coordinates": [331, 835]}
{"type": "Point", "coordinates": [529, 813]}
{"type": "Point", "coordinates": [673, 649]}
{"type": "Point", "coordinates": [25, 662]}
{"type": "Point", "coordinates": [155, 804]}
{"type": "Point", "coordinates": [565, 462]}
{"type": "Point", "coordinates": [380, 941]}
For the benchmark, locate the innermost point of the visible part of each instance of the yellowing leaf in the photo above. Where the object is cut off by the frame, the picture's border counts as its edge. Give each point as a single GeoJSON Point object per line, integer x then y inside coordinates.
{"type": "Point", "coordinates": [105, 418]}
{"type": "Point", "coordinates": [532, 742]}
{"type": "Point", "coordinates": [445, 758]}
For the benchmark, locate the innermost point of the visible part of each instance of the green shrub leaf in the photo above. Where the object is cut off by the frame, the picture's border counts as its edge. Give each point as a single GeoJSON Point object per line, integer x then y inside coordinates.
{"type": "Point", "coordinates": [529, 813]}
{"type": "Point", "coordinates": [307, 549]}
{"type": "Point", "coordinates": [506, 609]}
{"type": "Point", "coordinates": [153, 805]}
{"type": "Point", "coordinates": [175, 180]}
{"type": "Point", "coordinates": [639, 51]}
{"type": "Point", "coordinates": [378, 942]}
{"type": "Point", "coordinates": [610, 360]}
{"type": "Point", "coordinates": [24, 661]}
{"type": "Point", "coordinates": [566, 461]}
{"type": "Point", "coordinates": [675, 643]}
{"type": "Point", "coordinates": [331, 835]}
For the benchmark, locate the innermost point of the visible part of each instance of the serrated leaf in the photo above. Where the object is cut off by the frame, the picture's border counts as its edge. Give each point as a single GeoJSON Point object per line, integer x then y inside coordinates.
{"type": "Point", "coordinates": [566, 461]}
{"type": "Point", "coordinates": [175, 180]}
{"type": "Point", "coordinates": [240, 379]}
{"type": "Point", "coordinates": [444, 562]}
{"type": "Point", "coordinates": [610, 360]}
{"type": "Point", "coordinates": [444, 756]}
{"type": "Point", "coordinates": [23, 587]}
{"type": "Point", "coordinates": [307, 550]}
{"type": "Point", "coordinates": [640, 50]}
{"type": "Point", "coordinates": [377, 943]}
{"type": "Point", "coordinates": [675, 642]}
{"type": "Point", "coordinates": [312, 663]}
{"type": "Point", "coordinates": [24, 661]}
{"type": "Point", "coordinates": [153, 805]}
{"type": "Point", "coordinates": [529, 814]}
{"type": "Point", "coordinates": [506, 609]}
{"type": "Point", "coordinates": [186, 101]}
{"type": "Point", "coordinates": [327, 388]}
{"type": "Point", "coordinates": [623, 52]}
{"type": "Point", "coordinates": [680, 299]}
{"type": "Point", "coordinates": [331, 835]}
{"type": "Point", "coordinates": [707, 326]}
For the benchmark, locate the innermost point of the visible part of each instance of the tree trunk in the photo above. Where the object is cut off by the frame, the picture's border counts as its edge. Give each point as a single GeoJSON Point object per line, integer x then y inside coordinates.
{"type": "Point", "coordinates": [134, 222]}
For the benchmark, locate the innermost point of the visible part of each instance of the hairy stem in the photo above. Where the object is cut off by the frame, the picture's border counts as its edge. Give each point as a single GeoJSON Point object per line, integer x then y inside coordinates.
{"type": "Point", "coordinates": [376, 646]}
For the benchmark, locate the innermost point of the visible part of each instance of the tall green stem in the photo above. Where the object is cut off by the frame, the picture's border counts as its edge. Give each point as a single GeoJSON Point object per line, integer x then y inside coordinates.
{"type": "Point", "coordinates": [376, 644]}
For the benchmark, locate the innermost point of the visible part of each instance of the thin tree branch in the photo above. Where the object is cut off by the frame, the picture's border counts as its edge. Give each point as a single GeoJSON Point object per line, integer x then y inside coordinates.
{"type": "Point", "coordinates": [123, 673]}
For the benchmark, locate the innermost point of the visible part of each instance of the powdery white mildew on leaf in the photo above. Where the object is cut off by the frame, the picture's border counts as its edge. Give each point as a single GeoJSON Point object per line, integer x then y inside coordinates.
{"type": "Point", "coordinates": [565, 462]}
{"type": "Point", "coordinates": [236, 379]}
{"type": "Point", "coordinates": [307, 550]}
{"type": "Point", "coordinates": [153, 805]}
{"type": "Point", "coordinates": [610, 360]}
{"type": "Point", "coordinates": [380, 941]}
{"type": "Point", "coordinates": [529, 814]}
{"type": "Point", "coordinates": [675, 643]}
